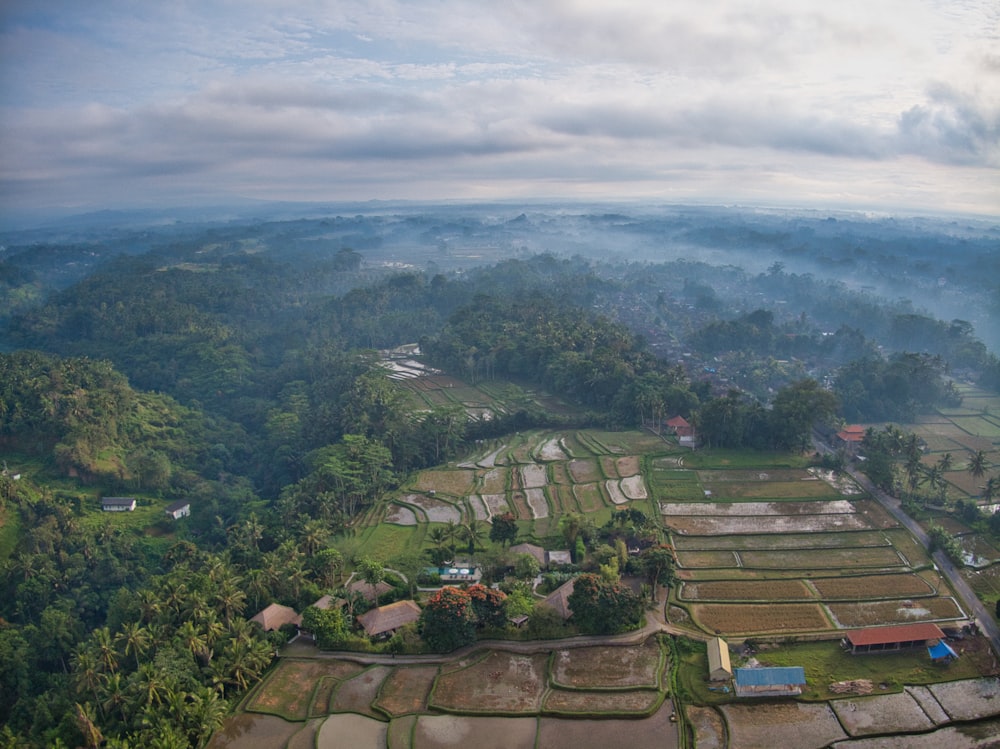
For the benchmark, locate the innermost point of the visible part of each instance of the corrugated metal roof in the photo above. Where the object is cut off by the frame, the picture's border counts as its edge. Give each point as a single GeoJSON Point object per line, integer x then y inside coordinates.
{"type": "Point", "coordinates": [889, 635]}
{"type": "Point", "coordinates": [770, 677]}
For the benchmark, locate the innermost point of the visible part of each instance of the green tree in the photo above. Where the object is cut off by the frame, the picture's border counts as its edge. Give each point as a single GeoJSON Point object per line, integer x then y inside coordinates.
{"type": "Point", "coordinates": [326, 625]}
{"type": "Point", "coordinates": [659, 564]}
{"type": "Point", "coordinates": [526, 567]}
{"type": "Point", "coordinates": [504, 529]}
{"type": "Point", "coordinates": [447, 621]}
{"type": "Point", "coordinates": [372, 572]}
{"type": "Point", "coordinates": [601, 607]}
{"type": "Point", "coordinates": [795, 410]}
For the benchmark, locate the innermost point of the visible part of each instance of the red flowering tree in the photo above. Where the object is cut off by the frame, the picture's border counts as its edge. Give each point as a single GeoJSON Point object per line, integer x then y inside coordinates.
{"type": "Point", "coordinates": [448, 620]}
{"type": "Point", "coordinates": [488, 606]}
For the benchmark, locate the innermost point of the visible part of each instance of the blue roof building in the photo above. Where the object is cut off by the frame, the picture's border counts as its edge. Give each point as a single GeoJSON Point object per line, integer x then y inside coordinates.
{"type": "Point", "coordinates": [786, 681]}
{"type": "Point", "coordinates": [942, 652]}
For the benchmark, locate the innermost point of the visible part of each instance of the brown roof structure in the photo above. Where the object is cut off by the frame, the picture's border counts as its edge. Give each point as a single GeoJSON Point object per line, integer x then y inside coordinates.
{"type": "Point", "coordinates": [276, 615]}
{"type": "Point", "coordinates": [558, 599]}
{"type": "Point", "coordinates": [852, 433]}
{"type": "Point", "coordinates": [904, 633]}
{"type": "Point", "coordinates": [360, 586]}
{"type": "Point", "coordinates": [536, 551]}
{"type": "Point", "coordinates": [387, 619]}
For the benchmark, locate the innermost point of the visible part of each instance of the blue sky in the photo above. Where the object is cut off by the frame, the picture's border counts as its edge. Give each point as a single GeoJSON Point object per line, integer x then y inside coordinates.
{"type": "Point", "coordinates": [874, 104]}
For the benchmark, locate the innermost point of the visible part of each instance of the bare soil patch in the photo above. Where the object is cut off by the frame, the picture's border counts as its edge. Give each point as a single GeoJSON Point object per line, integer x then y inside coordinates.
{"type": "Point", "coordinates": [968, 699]}
{"type": "Point", "coordinates": [536, 501]}
{"type": "Point", "coordinates": [350, 730]}
{"type": "Point", "coordinates": [732, 490]}
{"type": "Point", "coordinates": [873, 586]}
{"type": "Point", "coordinates": [288, 691]}
{"type": "Point", "coordinates": [819, 559]}
{"type": "Point", "coordinates": [792, 724]}
{"type": "Point", "coordinates": [250, 731]}
{"type": "Point", "coordinates": [496, 503]}
{"type": "Point", "coordinates": [788, 541]}
{"type": "Point", "coordinates": [552, 450]}
{"type": "Point", "coordinates": [437, 510]}
{"type": "Point", "coordinates": [461, 732]}
{"type": "Point", "coordinates": [638, 702]}
{"type": "Point", "coordinates": [656, 730]}
{"type": "Point", "coordinates": [627, 466]}
{"type": "Point", "coordinates": [780, 524]}
{"type": "Point", "coordinates": [709, 728]}
{"type": "Point", "coordinates": [746, 590]}
{"type": "Point", "coordinates": [608, 667]}
{"type": "Point", "coordinates": [406, 690]}
{"type": "Point", "coordinates": [751, 618]}
{"type": "Point", "coordinates": [501, 682]}
{"type": "Point", "coordinates": [455, 483]}
{"type": "Point", "coordinates": [634, 487]}
{"type": "Point", "coordinates": [584, 471]}
{"type": "Point", "coordinates": [614, 492]}
{"type": "Point", "coordinates": [533, 475]}
{"type": "Point", "coordinates": [884, 713]}
{"type": "Point", "coordinates": [357, 695]}
{"type": "Point", "coordinates": [757, 509]}
{"type": "Point", "coordinates": [609, 467]}
{"type": "Point", "coordinates": [709, 559]}
{"type": "Point", "coordinates": [895, 612]}
{"type": "Point", "coordinates": [494, 481]}
{"type": "Point", "coordinates": [400, 515]}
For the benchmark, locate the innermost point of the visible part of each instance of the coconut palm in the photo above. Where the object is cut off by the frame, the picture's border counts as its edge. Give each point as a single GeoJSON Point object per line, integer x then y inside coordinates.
{"type": "Point", "coordinates": [977, 465]}
{"type": "Point", "coordinates": [473, 533]}
{"type": "Point", "coordinates": [135, 640]}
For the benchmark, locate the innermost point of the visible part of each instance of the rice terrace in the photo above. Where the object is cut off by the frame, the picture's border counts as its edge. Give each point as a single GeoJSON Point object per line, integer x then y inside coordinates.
{"type": "Point", "coordinates": [780, 558]}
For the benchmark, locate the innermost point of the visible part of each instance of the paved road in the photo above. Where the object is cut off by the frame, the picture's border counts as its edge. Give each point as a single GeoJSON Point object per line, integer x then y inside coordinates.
{"type": "Point", "coordinates": [969, 599]}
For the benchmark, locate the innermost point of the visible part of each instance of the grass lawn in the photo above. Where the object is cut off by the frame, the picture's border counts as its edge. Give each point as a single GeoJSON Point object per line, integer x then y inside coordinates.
{"type": "Point", "coordinates": [10, 531]}
{"type": "Point", "coordinates": [827, 662]}
{"type": "Point", "coordinates": [386, 541]}
{"type": "Point", "coordinates": [719, 458]}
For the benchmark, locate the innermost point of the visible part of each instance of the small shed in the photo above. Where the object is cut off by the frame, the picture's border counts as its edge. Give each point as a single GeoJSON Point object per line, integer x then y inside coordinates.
{"type": "Point", "coordinates": [179, 509]}
{"type": "Point", "coordinates": [384, 620]}
{"type": "Point", "coordinates": [276, 616]}
{"type": "Point", "coordinates": [786, 681]}
{"type": "Point", "coordinates": [118, 504]}
{"type": "Point", "coordinates": [719, 667]}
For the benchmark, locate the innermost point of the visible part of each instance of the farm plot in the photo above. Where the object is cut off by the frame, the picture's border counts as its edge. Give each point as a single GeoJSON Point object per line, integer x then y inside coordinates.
{"type": "Point", "coordinates": [627, 667]}
{"type": "Point", "coordinates": [743, 476]}
{"type": "Point", "coordinates": [560, 733]}
{"type": "Point", "coordinates": [745, 590]}
{"type": "Point", "coordinates": [757, 618]}
{"type": "Point", "coordinates": [499, 683]}
{"type": "Point", "coordinates": [537, 502]}
{"type": "Point", "coordinates": [455, 483]}
{"type": "Point", "coordinates": [400, 515]}
{"type": "Point", "coordinates": [551, 450]}
{"type": "Point", "coordinates": [436, 510]}
{"type": "Point", "coordinates": [877, 613]}
{"type": "Point", "coordinates": [613, 487]}
{"type": "Point", "coordinates": [715, 509]}
{"type": "Point", "coordinates": [636, 701]}
{"type": "Point", "coordinates": [633, 487]}
{"type": "Point", "coordinates": [493, 481]}
{"type": "Point", "coordinates": [460, 731]}
{"type": "Point", "coordinates": [533, 476]}
{"type": "Point", "coordinates": [907, 585]}
{"type": "Point", "coordinates": [288, 691]}
{"type": "Point", "coordinates": [789, 541]}
{"type": "Point", "coordinates": [477, 507]}
{"type": "Point", "coordinates": [797, 724]}
{"type": "Point", "coordinates": [496, 503]}
{"type": "Point", "coordinates": [978, 551]}
{"type": "Point", "coordinates": [805, 489]}
{"type": "Point", "coordinates": [884, 713]}
{"type": "Point", "coordinates": [968, 699]}
{"type": "Point", "coordinates": [778, 524]}
{"type": "Point", "coordinates": [589, 497]}
{"type": "Point", "coordinates": [584, 471]}
{"type": "Point", "coordinates": [356, 695]}
{"type": "Point", "coordinates": [818, 559]}
{"type": "Point", "coordinates": [563, 498]}
{"type": "Point", "coordinates": [696, 559]}
{"type": "Point", "coordinates": [405, 690]}
{"type": "Point", "coordinates": [350, 730]}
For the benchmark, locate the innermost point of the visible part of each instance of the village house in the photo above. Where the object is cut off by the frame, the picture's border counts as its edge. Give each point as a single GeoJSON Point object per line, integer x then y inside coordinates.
{"type": "Point", "coordinates": [179, 509]}
{"type": "Point", "coordinates": [683, 430]}
{"type": "Point", "coordinates": [276, 616]}
{"type": "Point", "coordinates": [850, 438]}
{"type": "Point", "coordinates": [118, 504]}
{"type": "Point", "coordinates": [558, 600]}
{"type": "Point", "coordinates": [544, 558]}
{"type": "Point", "coordinates": [383, 621]}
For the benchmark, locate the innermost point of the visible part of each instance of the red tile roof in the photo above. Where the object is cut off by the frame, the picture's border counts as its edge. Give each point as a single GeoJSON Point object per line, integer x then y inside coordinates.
{"type": "Point", "coordinates": [902, 633]}
{"type": "Point", "coordinates": [678, 421]}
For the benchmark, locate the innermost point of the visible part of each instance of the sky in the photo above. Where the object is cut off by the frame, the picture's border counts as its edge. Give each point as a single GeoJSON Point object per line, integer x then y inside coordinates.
{"type": "Point", "coordinates": [886, 105]}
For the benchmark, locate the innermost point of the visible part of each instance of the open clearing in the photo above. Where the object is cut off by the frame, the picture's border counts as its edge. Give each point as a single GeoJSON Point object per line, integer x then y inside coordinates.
{"type": "Point", "coordinates": [779, 724]}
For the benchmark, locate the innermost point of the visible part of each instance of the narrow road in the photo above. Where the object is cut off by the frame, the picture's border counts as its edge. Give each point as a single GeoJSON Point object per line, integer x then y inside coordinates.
{"type": "Point", "coordinates": [973, 606]}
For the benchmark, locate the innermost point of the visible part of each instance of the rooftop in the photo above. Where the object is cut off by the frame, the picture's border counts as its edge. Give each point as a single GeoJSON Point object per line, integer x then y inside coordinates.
{"type": "Point", "coordinates": [901, 633]}
{"type": "Point", "coordinates": [770, 677]}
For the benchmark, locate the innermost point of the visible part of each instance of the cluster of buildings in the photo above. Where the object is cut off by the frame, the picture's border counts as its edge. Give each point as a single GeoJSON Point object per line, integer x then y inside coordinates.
{"type": "Point", "coordinates": [789, 681]}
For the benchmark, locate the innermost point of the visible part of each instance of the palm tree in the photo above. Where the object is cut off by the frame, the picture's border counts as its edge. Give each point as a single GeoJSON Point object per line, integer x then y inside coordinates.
{"type": "Point", "coordinates": [151, 686]}
{"type": "Point", "coordinates": [945, 462]}
{"type": "Point", "coordinates": [113, 692]}
{"type": "Point", "coordinates": [206, 714]}
{"type": "Point", "coordinates": [473, 532]}
{"type": "Point", "coordinates": [87, 671]}
{"type": "Point", "coordinates": [934, 478]}
{"type": "Point", "coordinates": [977, 464]}
{"type": "Point", "coordinates": [991, 490]}
{"type": "Point", "coordinates": [107, 653]}
{"type": "Point", "coordinates": [312, 537]}
{"type": "Point", "coordinates": [452, 532]}
{"type": "Point", "coordinates": [230, 600]}
{"type": "Point", "coordinates": [135, 639]}
{"type": "Point", "coordinates": [194, 640]}
{"type": "Point", "coordinates": [914, 469]}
